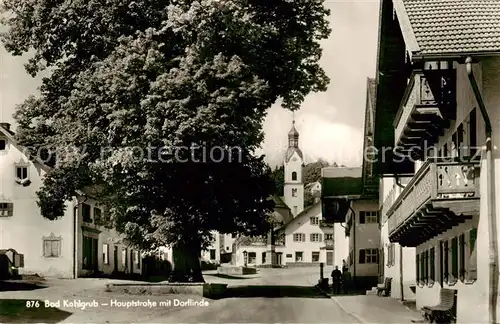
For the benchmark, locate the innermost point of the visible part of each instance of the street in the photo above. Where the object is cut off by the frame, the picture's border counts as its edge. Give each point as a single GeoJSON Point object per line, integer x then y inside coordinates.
{"type": "Point", "coordinates": [278, 296]}
{"type": "Point", "coordinates": [271, 296]}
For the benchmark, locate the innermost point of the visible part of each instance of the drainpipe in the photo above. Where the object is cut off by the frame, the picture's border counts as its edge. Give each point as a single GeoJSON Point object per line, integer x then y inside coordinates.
{"type": "Point", "coordinates": [401, 285]}
{"type": "Point", "coordinates": [75, 234]}
{"type": "Point", "coordinates": [354, 244]}
{"type": "Point", "coordinates": [490, 197]}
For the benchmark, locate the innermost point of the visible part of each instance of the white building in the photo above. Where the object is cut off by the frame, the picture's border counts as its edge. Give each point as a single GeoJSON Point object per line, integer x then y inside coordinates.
{"type": "Point", "coordinates": [75, 245]}
{"type": "Point", "coordinates": [438, 80]}
{"type": "Point", "coordinates": [304, 238]}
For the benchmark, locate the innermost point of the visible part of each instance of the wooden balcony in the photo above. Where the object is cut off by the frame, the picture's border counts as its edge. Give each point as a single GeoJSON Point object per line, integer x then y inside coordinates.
{"type": "Point", "coordinates": [323, 224]}
{"type": "Point", "coordinates": [441, 195]}
{"type": "Point", "coordinates": [328, 245]}
{"type": "Point", "coordinates": [425, 112]}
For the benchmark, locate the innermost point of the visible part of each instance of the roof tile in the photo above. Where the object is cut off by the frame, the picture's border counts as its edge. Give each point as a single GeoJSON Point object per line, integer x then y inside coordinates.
{"type": "Point", "coordinates": [455, 26]}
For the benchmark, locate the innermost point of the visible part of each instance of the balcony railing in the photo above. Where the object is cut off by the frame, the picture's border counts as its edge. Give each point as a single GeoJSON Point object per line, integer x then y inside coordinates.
{"type": "Point", "coordinates": [323, 223]}
{"type": "Point", "coordinates": [426, 108]}
{"type": "Point", "coordinates": [328, 244]}
{"type": "Point", "coordinates": [441, 190]}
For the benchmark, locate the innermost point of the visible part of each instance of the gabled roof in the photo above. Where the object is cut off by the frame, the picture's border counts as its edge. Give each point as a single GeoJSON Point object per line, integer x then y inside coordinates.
{"type": "Point", "coordinates": [10, 136]}
{"type": "Point", "coordinates": [449, 27]}
{"type": "Point", "coordinates": [299, 216]}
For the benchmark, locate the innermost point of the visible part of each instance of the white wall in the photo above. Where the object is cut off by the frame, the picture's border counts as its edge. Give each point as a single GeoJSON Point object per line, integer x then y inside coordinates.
{"type": "Point", "coordinates": [24, 231]}
{"type": "Point", "coordinates": [367, 237]}
{"type": "Point", "coordinates": [488, 77]}
{"type": "Point", "coordinates": [303, 225]}
{"type": "Point", "coordinates": [289, 185]}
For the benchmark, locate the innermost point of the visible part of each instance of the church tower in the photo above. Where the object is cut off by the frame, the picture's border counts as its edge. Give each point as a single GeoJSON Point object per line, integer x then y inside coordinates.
{"type": "Point", "coordinates": [293, 184]}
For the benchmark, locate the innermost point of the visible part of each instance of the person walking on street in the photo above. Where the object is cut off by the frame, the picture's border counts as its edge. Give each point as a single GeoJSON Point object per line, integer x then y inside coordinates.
{"type": "Point", "coordinates": [336, 280]}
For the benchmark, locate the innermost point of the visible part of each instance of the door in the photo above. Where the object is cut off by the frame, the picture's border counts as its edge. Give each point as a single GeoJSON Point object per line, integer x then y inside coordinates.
{"type": "Point", "coordinates": [329, 258]}
{"type": "Point", "coordinates": [279, 255]}
{"type": "Point", "coordinates": [115, 258]}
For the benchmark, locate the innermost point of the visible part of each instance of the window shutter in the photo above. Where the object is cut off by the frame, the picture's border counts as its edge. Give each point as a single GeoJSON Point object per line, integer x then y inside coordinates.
{"type": "Point", "coordinates": [10, 209]}
{"type": "Point", "coordinates": [311, 237]}
{"type": "Point", "coordinates": [362, 217]}
{"type": "Point", "coordinates": [362, 256]}
{"type": "Point", "coordinates": [417, 263]}
{"type": "Point", "coordinates": [378, 217]}
{"type": "Point", "coordinates": [46, 248]}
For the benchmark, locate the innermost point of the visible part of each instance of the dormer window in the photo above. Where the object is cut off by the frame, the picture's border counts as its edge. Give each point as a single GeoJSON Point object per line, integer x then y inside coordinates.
{"type": "Point", "coordinates": [22, 173]}
{"type": "Point", "coordinates": [3, 144]}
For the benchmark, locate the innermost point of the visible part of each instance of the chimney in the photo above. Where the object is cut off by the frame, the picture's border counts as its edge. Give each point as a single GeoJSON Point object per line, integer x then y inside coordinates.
{"type": "Point", "coordinates": [5, 125]}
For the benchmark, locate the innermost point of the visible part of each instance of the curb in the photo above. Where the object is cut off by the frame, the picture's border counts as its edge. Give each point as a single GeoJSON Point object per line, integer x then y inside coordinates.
{"type": "Point", "coordinates": [359, 319]}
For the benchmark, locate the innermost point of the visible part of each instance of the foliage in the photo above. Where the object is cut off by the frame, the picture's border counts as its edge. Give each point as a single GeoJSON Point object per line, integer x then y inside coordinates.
{"type": "Point", "coordinates": [278, 176]}
{"type": "Point", "coordinates": [311, 173]}
{"type": "Point", "coordinates": [136, 89]}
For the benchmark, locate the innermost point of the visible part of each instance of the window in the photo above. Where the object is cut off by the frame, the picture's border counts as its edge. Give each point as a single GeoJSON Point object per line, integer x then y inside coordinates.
{"type": "Point", "coordinates": [461, 254]}
{"type": "Point", "coordinates": [97, 215]}
{"type": "Point", "coordinates": [314, 220]}
{"type": "Point", "coordinates": [6, 209]}
{"type": "Point", "coordinates": [52, 246]}
{"type": "Point", "coordinates": [86, 213]}
{"type": "Point", "coordinates": [316, 237]}
{"type": "Point", "coordinates": [433, 265]}
{"type": "Point", "coordinates": [299, 256]}
{"type": "Point", "coordinates": [441, 268]}
{"type": "Point", "coordinates": [3, 144]}
{"type": "Point", "coordinates": [21, 176]}
{"type": "Point", "coordinates": [445, 261]}
{"type": "Point", "coordinates": [472, 266]}
{"type": "Point", "coordinates": [124, 258]}
{"type": "Point", "coordinates": [368, 217]}
{"type": "Point", "coordinates": [368, 256]}
{"type": "Point", "coordinates": [294, 192]}
{"type": "Point", "coordinates": [105, 253]}
{"type": "Point", "coordinates": [328, 237]}
{"type": "Point", "coordinates": [425, 266]}
{"type": "Point", "coordinates": [21, 172]}
{"type": "Point", "coordinates": [137, 259]}
{"type": "Point", "coordinates": [315, 257]}
{"type": "Point", "coordinates": [212, 254]}
{"type": "Point", "coordinates": [454, 258]}
{"type": "Point", "coordinates": [289, 256]}
{"type": "Point", "coordinates": [294, 176]}
{"type": "Point", "coordinates": [391, 255]}
{"type": "Point", "coordinates": [263, 257]}
{"type": "Point", "coordinates": [252, 258]}
{"type": "Point", "coordinates": [233, 235]}
{"type": "Point", "coordinates": [299, 237]}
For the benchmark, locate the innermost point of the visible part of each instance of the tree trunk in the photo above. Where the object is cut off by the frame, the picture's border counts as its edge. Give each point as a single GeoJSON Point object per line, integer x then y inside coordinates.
{"type": "Point", "coordinates": [186, 267]}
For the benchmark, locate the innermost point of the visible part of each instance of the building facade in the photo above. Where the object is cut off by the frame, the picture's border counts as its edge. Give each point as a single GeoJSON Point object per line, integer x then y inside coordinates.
{"type": "Point", "coordinates": [363, 232]}
{"type": "Point", "coordinates": [72, 246]}
{"type": "Point", "coordinates": [437, 98]}
{"type": "Point", "coordinates": [302, 238]}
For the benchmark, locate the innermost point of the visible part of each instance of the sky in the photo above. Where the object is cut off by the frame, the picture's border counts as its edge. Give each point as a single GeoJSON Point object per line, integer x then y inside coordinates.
{"type": "Point", "coordinates": [330, 123]}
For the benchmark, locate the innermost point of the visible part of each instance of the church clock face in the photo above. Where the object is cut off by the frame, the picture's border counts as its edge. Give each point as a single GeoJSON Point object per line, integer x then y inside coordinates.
{"type": "Point", "coordinates": [294, 159]}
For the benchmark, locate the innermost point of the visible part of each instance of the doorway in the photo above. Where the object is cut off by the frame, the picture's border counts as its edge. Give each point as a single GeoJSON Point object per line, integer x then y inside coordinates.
{"type": "Point", "coordinates": [329, 258]}
{"type": "Point", "coordinates": [115, 258]}
{"type": "Point", "coordinates": [279, 256]}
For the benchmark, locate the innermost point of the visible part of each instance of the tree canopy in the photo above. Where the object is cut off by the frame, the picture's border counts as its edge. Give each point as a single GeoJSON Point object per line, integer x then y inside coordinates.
{"type": "Point", "coordinates": [161, 104]}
